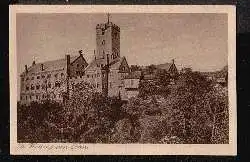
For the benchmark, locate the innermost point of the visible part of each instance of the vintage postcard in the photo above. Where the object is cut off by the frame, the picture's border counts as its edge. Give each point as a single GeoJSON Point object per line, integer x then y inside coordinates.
{"type": "Point", "coordinates": [122, 80]}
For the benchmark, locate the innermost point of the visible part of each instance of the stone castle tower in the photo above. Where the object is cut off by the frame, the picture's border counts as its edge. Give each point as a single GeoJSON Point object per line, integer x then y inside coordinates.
{"type": "Point", "coordinates": [107, 42]}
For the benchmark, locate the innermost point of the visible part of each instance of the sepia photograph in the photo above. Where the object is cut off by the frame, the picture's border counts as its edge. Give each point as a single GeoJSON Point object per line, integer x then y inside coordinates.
{"type": "Point", "coordinates": [124, 77]}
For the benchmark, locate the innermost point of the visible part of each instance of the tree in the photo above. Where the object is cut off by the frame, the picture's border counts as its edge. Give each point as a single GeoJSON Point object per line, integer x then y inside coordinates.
{"type": "Point", "coordinates": [157, 86]}
{"type": "Point", "coordinates": [134, 68]}
{"type": "Point", "coordinates": [151, 68]}
{"type": "Point", "coordinates": [199, 102]}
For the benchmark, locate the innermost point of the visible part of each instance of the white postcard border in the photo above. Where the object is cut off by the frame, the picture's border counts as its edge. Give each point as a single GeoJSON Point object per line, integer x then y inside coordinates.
{"type": "Point", "coordinates": [124, 149]}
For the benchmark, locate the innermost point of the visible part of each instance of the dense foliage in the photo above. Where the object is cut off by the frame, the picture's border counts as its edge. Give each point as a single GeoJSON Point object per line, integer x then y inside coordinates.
{"type": "Point", "coordinates": [193, 110]}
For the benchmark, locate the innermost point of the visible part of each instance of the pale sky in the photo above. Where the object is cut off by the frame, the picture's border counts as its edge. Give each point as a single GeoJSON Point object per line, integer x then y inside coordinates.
{"type": "Point", "coordinates": [193, 40]}
{"type": "Point", "coordinates": [196, 40]}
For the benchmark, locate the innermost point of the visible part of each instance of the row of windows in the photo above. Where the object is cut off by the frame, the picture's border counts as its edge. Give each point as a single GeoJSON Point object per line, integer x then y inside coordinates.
{"type": "Point", "coordinates": [43, 86]}
{"type": "Point", "coordinates": [43, 76]}
{"type": "Point", "coordinates": [39, 97]}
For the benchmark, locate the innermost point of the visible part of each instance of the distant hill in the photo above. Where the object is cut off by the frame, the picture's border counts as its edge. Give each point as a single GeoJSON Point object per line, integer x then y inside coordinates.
{"type": "Point", "coordinates": [218, 74]}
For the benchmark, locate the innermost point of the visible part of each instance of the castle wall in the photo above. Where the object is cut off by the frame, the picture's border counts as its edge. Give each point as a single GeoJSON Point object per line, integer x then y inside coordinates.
{"type": "Point", "coordinates": [43, 85]}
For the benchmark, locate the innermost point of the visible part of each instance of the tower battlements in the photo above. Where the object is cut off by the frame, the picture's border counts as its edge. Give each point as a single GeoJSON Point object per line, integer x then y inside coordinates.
{"type": "Point", "coordinates": [104, 26]}
{"type": "Point", "coordinates": [107, 41]}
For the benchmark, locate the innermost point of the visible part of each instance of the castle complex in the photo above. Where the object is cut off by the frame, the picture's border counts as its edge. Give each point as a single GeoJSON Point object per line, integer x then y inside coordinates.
{"type": "Point", "coordinates": [107, 72]}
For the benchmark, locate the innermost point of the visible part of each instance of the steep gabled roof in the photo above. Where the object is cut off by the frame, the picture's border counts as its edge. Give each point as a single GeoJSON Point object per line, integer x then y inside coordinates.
{"type": "Point", "coordinates": [165, 66]}
{"type": "Point", "coordinates": [50, 65]}
{"type": "Point", "coordinates": [115, 65]}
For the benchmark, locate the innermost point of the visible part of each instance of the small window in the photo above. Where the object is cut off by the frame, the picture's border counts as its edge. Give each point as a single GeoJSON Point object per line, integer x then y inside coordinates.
{"type": "Point", "coordinates": [103, 31]}
{"type": "Point", "coordinates": [103, 42]}
{"type": "Point", "coordinates": [56, 75]}
{"type": "Point", "coordinates": [37, 97]}
{"type": "Point", "coordinates": [26, 97]}
{"type": "Point", "coordinates": [38, 77]}
{"type": "Point", "coordinates": [83, 66]}
{"type": "Point", "coordinates": [57, 84]}
{"type": "Point", "coordinates": [27, 78]}
{"type": "Point", "coordinates": [49, 85]}
{"type": "Point", "coordinates": [30, 97]}
{"type": "Point", "coordinates": [62, 74]}
{"type": "Point", "coordinates": [77, 65]}
{"type": "Point", "coordinates": [87, 76]}
{"type": "Point", "coordinates": [43, 76]}
{"type": "Point", "coordinates": [32, 78]}
{"type": "Point", "coordinates": [37, 86]}
{"type": "Point", "coordinates": [43, 86]}
{"type": "Point", "coordinates": [49, 75]}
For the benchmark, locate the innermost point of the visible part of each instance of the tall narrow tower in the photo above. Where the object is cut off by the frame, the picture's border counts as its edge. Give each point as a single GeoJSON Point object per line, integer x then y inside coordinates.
{"type": "Point", "coordinates": [107, 41]}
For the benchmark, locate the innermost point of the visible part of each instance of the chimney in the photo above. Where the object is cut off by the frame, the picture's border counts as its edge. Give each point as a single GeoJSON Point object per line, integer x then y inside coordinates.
{"type": "Point", "coordinates": [26, 68]}
{"type": "Point", "coordinates": [68, 63]}
{"type": "Point", "coordinates": [80, 52]}
{"type": "Point", "coordinates": [173, 61]}
{"type": "Point", "coordinates": [33, 63]}
{"type": "Point", "coordinates": [42, 67]}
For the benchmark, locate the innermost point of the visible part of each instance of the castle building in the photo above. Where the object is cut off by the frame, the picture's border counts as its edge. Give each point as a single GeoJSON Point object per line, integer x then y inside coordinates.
{"type": "Point", "coordinates": [49, 79]}
{"type": "Point", "coordinates": [54, 79]}
{"type": "Point", "coordinates": [108, 72]}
